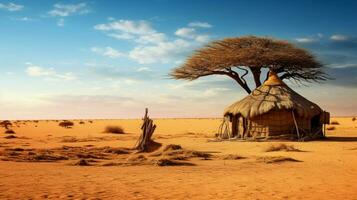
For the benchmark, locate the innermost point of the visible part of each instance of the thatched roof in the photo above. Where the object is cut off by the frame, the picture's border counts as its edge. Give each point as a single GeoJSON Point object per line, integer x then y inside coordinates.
{"type": "Point", "coordinates": [273, 94]}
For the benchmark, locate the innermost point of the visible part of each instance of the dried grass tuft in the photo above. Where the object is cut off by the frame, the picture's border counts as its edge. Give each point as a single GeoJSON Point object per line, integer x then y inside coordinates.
{"type": "Point", "coordinates": [9, 131]}
{"type": "Point", "coordinates": [276, 159]}
{"type": "Point", "coordinates": [114, 129]}
{"type": "Point", "coordinates": [331, 128]}
{"type": "Point", "coordinates": [335, 123]}
{"type": "Point", "coordinates": [281, 147]}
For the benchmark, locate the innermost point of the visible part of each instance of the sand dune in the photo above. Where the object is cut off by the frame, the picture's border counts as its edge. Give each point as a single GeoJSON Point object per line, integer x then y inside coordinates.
{"type": "Point", "coordinates": [45, 160]}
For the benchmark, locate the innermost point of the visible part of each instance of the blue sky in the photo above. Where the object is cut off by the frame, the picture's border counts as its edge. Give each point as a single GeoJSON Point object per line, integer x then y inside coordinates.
{"type": "Point", "coordinates": [110, 59]}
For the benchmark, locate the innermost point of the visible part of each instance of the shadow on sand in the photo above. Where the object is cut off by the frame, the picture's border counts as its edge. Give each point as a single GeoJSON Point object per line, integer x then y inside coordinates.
{"type": "Point", "coordinates": [340, 139]}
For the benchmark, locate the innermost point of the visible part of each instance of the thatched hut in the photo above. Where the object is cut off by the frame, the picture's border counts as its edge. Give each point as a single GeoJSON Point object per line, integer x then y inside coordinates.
{"type": "Point", "coordinates": [275, 110]}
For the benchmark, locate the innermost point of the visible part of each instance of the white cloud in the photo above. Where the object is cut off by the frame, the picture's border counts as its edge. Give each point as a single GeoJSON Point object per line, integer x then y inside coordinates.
{"type": "Point", "coordinates": [65, 10]}
{"type": "Point", "coordinates": [60, 22]}
{"type": "Point", "coordinates": [48, 73]}
{"type": "Point", "coordinates": [190, 33]}
{"type": "Point", "coordinates": [202, 38]}
{"type": "Point", "coordinates": [107, 51]}
{"type": "Point", "coordinates": [127, 26]}
{"type": "Point", "coordinates": [151, 38]}
{"type": "Point", "coordinates": [11, 7]}
{"type": "Point", "coordinates": [143, 69]}
{"type": "Point", "coordinates": [305, 40]}
{"type": "Point", "coordinates": [211, 92]}
{"type": "Point", "coordinates": [163, 52]}
{"type": "Point", "coordinates": [138, 31]}
{"type": "Point", "coordinates": [200, 24]}
{"type": "Point", "coordinates": [339, 37]}
{"type": "Point", "coordinates": [186, 32]}
{"type": "Point", "coordinates": [153, 46]}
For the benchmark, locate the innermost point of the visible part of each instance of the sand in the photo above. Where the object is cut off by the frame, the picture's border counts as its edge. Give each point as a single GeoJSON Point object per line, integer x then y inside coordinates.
{"type": "Point", "coordinates": [45, 161]}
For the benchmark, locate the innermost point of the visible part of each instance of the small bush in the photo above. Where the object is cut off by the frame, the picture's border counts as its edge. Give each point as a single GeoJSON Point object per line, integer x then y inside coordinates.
{"type": "Point", "coordinates": [335, 123]}
{"type": "Point", "coordinates": [6, 124]}
{"type": "Point", "coordinates": [331, 128]}
{"type": "Point", "coordinates": [281, 147]}
{"type": "Point", "coordinates": [81, 122]}
{"type": "Point", "coordinates": [114, 129]}
{"type": "Point", "coordinates": [66, 124]}
{"type": "Point", "coordinates": [9, 131]}
{"type": "Point", "coordinates": [353, 119]}
{"type": "Point", "coordinates": [10, 137]}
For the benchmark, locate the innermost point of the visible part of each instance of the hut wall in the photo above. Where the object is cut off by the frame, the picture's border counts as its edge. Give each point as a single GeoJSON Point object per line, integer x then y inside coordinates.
{"type": "Point", "coordinates": [276, 122]}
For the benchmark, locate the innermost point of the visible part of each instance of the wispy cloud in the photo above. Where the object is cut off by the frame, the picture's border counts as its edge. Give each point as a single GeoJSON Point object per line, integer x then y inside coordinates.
{"type": "Point", "coordinates": [163, 52]}
{"type": "Point", "coordinates": [154, 46]}
{"type": "Point", "coordinates": [305, 40]}
{"type": "Point", "coordinates": [186, 32]}
{"type": "Point", "coordinates": [139, 31]}
{"type": "Point", "coordinates": [60, 22]}
{"type": "Point", "coordinates": [200, 24]}
{"type": "Point", "coordinates": [108, 52]}
{"type": "Point", "coordinates": [191, 33]}
{"type": "Point", "coordinates": [11, 7]}
{"type": "Point", "coordinates": [339, 37]}
{"type": "Point", "coordinates": [66, 10]}
{"type": "Point", "coordinates": [48, 73]}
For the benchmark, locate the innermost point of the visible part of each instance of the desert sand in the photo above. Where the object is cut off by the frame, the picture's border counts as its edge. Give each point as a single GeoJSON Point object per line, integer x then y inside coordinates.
{"type": "Point", "coordinates": [45, 160]}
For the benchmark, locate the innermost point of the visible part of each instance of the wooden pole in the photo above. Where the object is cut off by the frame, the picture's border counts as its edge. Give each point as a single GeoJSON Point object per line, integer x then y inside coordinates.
{"type": "Point", "coordinates": [296, 125]}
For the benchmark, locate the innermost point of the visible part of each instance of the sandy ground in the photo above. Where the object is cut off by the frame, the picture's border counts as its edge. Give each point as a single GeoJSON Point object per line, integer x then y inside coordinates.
{"type": "Point", "coordinates": [234, 170]}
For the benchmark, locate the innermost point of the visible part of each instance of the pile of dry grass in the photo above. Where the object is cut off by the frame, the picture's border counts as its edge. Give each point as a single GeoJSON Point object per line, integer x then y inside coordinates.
{"type": "Point", "coordinates": [82, 162]}
{"type": "Point", "coordinates": [10, 137]}
{"type": "Point", "coordinates": [232, 157]}
{"type": "Point", "coordinates": [66, 124]}
{"type": "Point", "coordinates": [331, 128]}
{"type": "Point", "coordinates": [335, 123]}
{"type": "Point", "coordinates": [9, 131]}
{"type": "Point", "coordinates": [281, 147]}
{"type": "Point", "coordinates": [176, 152]}
{"type": "Point", "coordinates": [276, 159]}
{"type": "Point", "coordinates": [114, 129]}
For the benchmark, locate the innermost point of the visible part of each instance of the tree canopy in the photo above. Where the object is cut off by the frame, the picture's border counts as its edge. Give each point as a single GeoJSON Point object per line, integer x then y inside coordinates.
{"type": "Point", "coordinates": [237, 57]}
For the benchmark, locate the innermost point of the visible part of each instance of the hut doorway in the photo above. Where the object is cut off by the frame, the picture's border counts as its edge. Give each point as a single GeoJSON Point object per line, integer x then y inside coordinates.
{"type": "Point", "coordinates": [315, 122]}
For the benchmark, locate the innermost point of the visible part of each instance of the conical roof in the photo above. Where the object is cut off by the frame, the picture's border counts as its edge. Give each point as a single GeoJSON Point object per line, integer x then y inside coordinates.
{"type": "Point", "coordinates": [273, 94]}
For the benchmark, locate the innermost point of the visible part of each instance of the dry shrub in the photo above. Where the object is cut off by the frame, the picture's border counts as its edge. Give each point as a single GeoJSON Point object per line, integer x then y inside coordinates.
{"type": "Point", "coordinates": [335, 123]}
{"type": "Point", "coordinates": [81, 122]}
{"type": "Point", "coordinates": [10, 137]}
{"type": "Point", "coordinates": [331, 128]}
{"type": "Point", "coordinates": [66, 124]}
{"type": "Point", "coordinates": [354, 119]}
{"type": "Point", "coordinates": [116, 150]}
{"type": "Point", "coordinates": [46, 157]}
{"type": "Point", "coordinates": [276, 159]}
{"type": "Point", "coordinates": [9, 131]}
{"type": "Point", "coordinates": [114, 129]}
{"type": "Point", "coordinates": [69, 139]}
{"type": "Point", "coordinates": [82, 162]}
{"type": "Point", "coordinates": [281, 147]}
{"type": "Point", "coordinates": [167, 162]}
{"type": "Point", "coordinates": [232, 157]}
{"type": "Point", "coordinates": [171, 147]}
{"type": "Point", "coordinates": [176, 152]}
{"type": "Point", "coordinates": [6, 124]}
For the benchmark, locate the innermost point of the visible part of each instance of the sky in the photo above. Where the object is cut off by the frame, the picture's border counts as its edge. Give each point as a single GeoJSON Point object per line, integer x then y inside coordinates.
{"type": "Point", "coordinates": [110, 59]}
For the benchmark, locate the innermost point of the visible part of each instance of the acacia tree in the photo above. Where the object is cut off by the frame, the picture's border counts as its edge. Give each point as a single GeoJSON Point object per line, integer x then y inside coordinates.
{"type": "Point", "coordinates": [238, 57]}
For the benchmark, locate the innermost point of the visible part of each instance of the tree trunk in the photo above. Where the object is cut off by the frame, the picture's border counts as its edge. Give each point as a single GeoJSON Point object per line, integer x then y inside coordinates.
{"type": "Point", "coordinates": [256, 75]}
{"type": "Point", "coordinates": [148, 128]}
